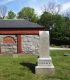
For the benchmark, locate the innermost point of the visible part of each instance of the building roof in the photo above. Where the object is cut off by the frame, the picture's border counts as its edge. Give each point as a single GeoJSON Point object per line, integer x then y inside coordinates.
{"type": "Point", "coordinates": [18, 24]}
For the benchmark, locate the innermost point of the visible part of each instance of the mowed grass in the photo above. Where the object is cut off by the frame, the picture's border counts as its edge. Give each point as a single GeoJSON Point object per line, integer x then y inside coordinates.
{"type": "Point", "coordinates": [23, 67]}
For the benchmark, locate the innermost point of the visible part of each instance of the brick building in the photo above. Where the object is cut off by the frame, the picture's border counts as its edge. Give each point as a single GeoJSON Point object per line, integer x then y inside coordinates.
{"type": "Point", "coordinates": [19, 36]}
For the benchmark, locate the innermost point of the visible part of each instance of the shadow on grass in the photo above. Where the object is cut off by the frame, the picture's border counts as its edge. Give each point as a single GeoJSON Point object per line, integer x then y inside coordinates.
{"type": "Point", "coordinates": [31, 66]}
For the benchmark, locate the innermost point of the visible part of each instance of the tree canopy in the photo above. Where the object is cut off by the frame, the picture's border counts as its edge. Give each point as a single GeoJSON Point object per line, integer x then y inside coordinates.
{"type": "Point", "coordinates": [11, 15]}
{"type": "Point", "coordinates": [28, 14]}
{"type": "Point", "coordinates": [58, 25]}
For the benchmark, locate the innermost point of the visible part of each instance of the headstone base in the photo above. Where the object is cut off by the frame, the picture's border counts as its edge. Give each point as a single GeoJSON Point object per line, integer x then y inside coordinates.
{"type": "Point", "coordinates": [45, 66]}
{"type": "Point", "coordinates": [44, 70]}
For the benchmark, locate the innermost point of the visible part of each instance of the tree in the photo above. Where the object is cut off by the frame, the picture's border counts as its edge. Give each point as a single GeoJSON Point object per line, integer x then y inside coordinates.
{"type": "Point", "coordinates": [46, 19]}
{"type": "Point", "coordinates": [67, 13]}
{"type": "Point", "coordinates": [3, 10]}
{"type": "Point", "coordinates": [11, 15]}
{"type": "Point", "coordinates": [28, 13]}
{"type": "Point", "coordinates": [52, 7]}
{"type": "Point", "coordinates": [60, 34]}
{"type": "Point", "coordinates": [56, 24]}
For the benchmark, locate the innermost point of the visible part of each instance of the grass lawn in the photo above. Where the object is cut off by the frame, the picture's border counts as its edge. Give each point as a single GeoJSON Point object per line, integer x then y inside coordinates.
{"type": "Point", "coordinates": [22, 67]}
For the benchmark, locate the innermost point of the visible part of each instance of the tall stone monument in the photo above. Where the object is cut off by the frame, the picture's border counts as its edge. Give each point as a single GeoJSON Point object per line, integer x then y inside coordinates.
{"type": "Point", "coordinates": [45, 65]}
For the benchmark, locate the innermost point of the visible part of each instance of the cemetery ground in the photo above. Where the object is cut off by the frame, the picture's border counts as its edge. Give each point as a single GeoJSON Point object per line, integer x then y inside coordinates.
{"type": "Point", "coordinates": [22, 67]}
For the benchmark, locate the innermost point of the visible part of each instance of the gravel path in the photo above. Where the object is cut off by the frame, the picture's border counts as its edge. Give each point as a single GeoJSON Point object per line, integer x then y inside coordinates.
{"type": "Point", "coordinates": [52, 48]}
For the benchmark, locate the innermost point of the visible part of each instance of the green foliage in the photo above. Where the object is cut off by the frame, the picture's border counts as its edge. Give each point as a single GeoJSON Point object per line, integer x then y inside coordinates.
{"type": "Point", "coordinates": [11, 15]}
{"type": "Point", "coordinates": [46, 20]}
{"type": "Point", "coordinates": [58, 25]}
{"type": "Point", "coordinates": [28, 13]}
{"type": "Point", "coordinates": [61, 29]}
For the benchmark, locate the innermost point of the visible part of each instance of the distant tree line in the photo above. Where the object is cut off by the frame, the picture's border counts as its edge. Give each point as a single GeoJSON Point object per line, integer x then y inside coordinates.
{"type": "Point", "coordinates": [51, 19]}
{"type": "Point", "coordinates": [59, 27]}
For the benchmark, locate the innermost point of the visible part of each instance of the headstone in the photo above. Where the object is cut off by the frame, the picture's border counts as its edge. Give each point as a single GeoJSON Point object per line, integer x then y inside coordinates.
{"type": "Point", "coordinates": [15, 55]}
{"type": "Point", "coordinates": [45, 65]}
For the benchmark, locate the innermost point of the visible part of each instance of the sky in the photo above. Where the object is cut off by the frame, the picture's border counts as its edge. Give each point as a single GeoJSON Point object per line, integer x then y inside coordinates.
{"type": "Point", "coordinates": [38, 5]}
